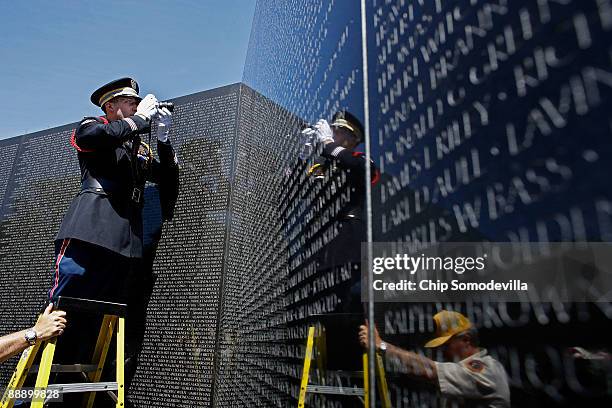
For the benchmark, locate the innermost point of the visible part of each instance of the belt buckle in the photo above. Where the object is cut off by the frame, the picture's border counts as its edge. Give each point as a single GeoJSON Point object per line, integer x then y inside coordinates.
{"type": "Point", "coordinates": [136, 195]}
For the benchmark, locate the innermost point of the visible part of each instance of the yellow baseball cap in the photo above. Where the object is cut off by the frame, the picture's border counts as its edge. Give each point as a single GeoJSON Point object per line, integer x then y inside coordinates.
{"type": "Point", "coordinates": [448, 324]}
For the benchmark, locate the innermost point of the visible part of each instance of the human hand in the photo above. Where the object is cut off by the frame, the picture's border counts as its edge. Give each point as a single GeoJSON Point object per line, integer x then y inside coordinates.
{"type": "Point", "coordinates": [364, 336]}
{"type": "Point", "coordinates": [307, 132]}
{"type": "Point", "coordinates": [50, 324]}
{"type": "Point", "coordinates": [147, 108]}
{"type": "Point", "coordinates": [164, 117]}
{"type": "Point", "coordinates": [324, 132]}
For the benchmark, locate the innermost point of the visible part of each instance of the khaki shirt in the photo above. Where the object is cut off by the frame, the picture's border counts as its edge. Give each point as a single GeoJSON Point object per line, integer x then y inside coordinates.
{"type": "Point", "coordinates": [477, 381]}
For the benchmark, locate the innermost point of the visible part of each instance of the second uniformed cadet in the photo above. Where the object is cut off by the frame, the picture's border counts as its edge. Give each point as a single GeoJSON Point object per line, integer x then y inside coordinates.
{"type": "Point", "coordinates": [100, 237]}
{"type": "Point", "coordinates": [470, 377]}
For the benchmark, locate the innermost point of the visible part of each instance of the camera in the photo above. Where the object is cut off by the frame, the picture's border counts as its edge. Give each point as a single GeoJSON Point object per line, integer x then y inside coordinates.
{"type": "Point", "coordinates": [167, 105]}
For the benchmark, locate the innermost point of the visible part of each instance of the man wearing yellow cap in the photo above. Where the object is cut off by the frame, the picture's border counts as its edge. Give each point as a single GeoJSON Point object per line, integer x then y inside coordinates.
{"type": "Point", "coordinates": [470, 376]}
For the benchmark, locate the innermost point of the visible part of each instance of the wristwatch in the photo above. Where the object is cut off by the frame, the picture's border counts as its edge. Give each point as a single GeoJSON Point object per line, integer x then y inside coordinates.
{"type": "Point", "coordinates": [383, 347]}
{"type": "Point", "coordinates": [31, 337]}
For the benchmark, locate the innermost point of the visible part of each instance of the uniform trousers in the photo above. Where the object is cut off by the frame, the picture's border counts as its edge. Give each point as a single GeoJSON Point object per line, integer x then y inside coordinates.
{"type": "Point", "coordinates": [86, 271]}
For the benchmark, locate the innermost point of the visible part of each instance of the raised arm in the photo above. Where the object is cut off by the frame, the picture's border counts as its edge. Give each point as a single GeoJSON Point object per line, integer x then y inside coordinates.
{"type": "Point", "coordinates": [416, 365]}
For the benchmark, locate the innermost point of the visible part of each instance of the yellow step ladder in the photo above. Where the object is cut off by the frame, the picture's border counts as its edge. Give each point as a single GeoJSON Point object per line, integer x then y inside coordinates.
{"type": "Point", "coordinates": [306, 387]}
{"type": "Point", "coordinates": [114, 320]}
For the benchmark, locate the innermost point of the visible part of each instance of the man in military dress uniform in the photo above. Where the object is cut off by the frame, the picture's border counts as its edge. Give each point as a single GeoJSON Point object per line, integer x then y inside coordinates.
{"type": "Point", "coordinates": [99, 246]}
{"type": "Point", "coordinates": [339, 140]}
{"type": "Point", "coordinates": [470, 377]}
{"type": "Point", "coordinates": [100, 239]}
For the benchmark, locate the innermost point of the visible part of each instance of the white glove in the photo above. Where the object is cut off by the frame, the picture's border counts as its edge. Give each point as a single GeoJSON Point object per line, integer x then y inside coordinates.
{"type": "Point", "coordinates": [307, 138]}
{"type": "Point", "coordinates": [324, 132]}
{"type": "Point", "coordinates": [147, 108]}
{"type": "Point", "coordinates": [306, 135]}
{"type": "Point", "coordinates": [164, 121]}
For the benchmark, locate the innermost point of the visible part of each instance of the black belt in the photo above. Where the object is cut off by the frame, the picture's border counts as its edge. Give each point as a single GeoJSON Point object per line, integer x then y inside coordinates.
{"type": "Point", "coordinates": [106, 186]}
{"type": "Point", "coordinates": [99, 185]}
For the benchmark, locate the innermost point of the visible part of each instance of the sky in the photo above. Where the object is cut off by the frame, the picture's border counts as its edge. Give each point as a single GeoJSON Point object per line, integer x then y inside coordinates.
{"type": "Point", "coordinates": [54, 54]}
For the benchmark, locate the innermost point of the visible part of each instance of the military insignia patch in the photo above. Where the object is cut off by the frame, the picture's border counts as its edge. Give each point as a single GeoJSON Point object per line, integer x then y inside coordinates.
{"type": "Point", "coordinates": [476, 366]}
{"type": "Point", "coordinates": [134, 85]}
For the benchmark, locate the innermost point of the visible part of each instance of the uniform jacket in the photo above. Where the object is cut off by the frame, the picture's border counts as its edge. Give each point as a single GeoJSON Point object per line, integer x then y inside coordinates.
{"type": "Point", "coordinates": [344, 247]}
{"type": "Point", "coordinates": [354, 163]}
{"type": "Point", "coordinates": [108, 209]}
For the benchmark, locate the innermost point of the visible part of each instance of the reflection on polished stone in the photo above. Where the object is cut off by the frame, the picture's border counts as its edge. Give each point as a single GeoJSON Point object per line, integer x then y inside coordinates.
{"type": "Point", "coordinates": [489, 122]}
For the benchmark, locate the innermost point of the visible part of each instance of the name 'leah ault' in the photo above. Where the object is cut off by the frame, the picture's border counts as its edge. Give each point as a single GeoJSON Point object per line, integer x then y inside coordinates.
{"type": "Point", "coordinates": [439, 286]}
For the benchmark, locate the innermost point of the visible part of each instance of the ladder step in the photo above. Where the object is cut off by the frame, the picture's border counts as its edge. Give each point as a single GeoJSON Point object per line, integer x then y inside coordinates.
{"type": "Point", "coordinates": [67, 368]}
{"type": "Point", "coordinates": [326, 389]}
{"type": "Point", "coordinates": [344, 374]}
{"type": "Point", "coordinates": [87, 305]}
{"type": "Point", "coordinates": [83, 387]}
